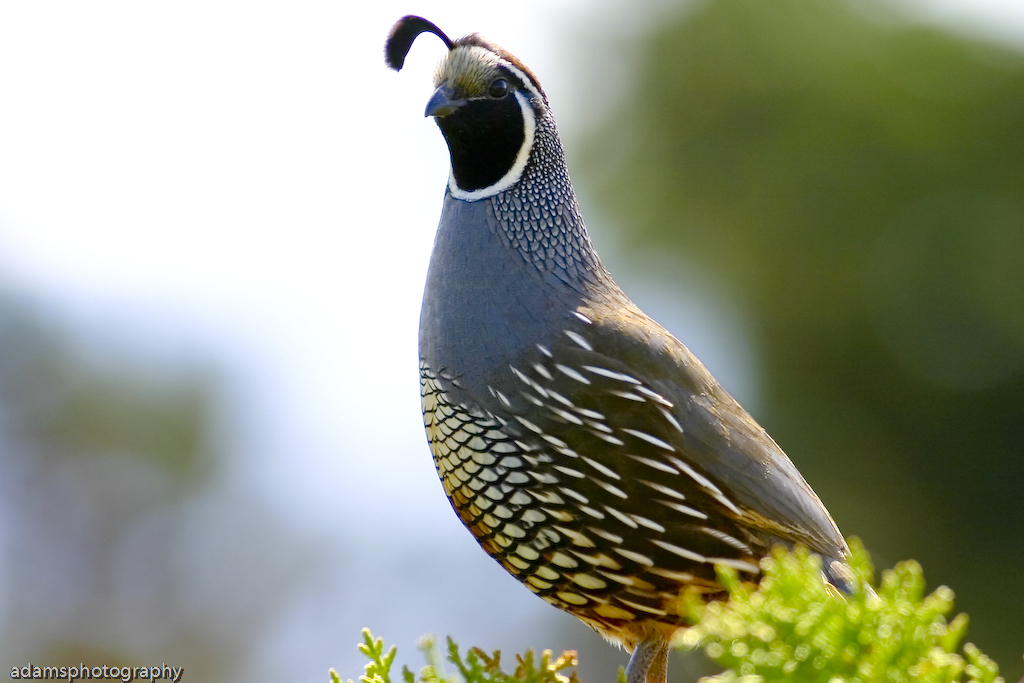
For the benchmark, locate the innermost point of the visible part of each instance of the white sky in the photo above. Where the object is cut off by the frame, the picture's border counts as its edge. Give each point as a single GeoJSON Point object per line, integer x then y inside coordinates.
{"type": "Point", "coordinates": [248, 178]}
{"type": "Point", "coordinates": [248, 174]}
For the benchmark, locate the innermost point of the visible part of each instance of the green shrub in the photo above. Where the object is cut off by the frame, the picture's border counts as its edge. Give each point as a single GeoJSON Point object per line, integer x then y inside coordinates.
{"type": "Point", "coordinates": [791, 627]}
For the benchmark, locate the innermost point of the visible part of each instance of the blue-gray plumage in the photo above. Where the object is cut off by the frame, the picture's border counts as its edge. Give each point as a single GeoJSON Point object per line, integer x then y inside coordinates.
{"type": "Point", "coordinates": [584, 446]}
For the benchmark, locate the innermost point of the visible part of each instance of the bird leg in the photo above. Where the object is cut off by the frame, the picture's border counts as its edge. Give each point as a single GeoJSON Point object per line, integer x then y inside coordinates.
{"type": "Point", "coordinates": [658, 673]}
{"type": "Point", "coordinates": [649, 662]}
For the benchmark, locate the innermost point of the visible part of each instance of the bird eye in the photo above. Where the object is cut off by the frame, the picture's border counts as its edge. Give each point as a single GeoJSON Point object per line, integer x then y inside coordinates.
{"type": "Point", "coordinates": [498, 89]}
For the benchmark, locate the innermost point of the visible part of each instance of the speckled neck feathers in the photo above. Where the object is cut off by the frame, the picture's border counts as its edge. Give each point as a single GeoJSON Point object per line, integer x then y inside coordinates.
{"type": "Point", "coordinates": [540, 218]}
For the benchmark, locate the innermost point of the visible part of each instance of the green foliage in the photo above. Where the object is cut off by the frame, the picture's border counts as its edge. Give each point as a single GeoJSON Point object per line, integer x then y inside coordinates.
{"type": "Point", "coordinates": [379, 667]}
{"type": "Point", "coordinates": [791, 627]}
{"type": "Point", "coordinates": [476, 667]}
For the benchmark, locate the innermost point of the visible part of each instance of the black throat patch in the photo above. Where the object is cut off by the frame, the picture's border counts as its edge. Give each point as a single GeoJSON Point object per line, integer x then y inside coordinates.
{"type": "Point", "coordinates": [484, 137]}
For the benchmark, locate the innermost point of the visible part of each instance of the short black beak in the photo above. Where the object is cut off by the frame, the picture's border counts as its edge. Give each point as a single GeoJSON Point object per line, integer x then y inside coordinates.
{"type": "Point", "coordinates": [443, 102]}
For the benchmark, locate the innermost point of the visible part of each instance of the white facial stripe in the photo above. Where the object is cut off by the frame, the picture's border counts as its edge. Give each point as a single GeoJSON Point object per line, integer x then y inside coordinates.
{"type": "Point", "coordinates": [527, 82]}
{"type": "Point", "coordinates": [516, 172]}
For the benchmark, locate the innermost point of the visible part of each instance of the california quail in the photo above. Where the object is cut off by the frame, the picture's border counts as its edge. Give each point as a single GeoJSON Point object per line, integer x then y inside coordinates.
{"type": "Point", "coordinates": [587, 450]}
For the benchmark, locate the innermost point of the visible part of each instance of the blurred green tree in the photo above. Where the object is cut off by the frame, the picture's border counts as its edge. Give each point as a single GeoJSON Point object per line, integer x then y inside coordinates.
{"type": "Point", "coordinates": [859, 182]}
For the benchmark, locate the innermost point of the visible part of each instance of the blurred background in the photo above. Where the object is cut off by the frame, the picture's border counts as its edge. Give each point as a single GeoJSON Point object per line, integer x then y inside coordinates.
{"type": "Point", "coordinates": [215, 222]}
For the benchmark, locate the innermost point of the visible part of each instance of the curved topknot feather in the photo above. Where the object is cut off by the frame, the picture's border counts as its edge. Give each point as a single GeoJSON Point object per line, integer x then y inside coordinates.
{"type": "Point", "coordinates": [402, 35]}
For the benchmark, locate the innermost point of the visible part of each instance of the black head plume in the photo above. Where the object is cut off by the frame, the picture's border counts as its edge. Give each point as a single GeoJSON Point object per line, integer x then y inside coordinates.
{"type": "Point", "coordinates": [402, 35]}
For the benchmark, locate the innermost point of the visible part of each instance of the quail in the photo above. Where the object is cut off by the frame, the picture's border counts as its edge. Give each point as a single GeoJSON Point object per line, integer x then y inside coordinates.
{"type": "Point", "coordinates": [586, 449]}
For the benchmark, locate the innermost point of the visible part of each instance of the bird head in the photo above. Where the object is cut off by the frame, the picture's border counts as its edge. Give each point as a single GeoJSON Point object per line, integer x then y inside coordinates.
{"type": "Point", "coordinates": [486, 102]}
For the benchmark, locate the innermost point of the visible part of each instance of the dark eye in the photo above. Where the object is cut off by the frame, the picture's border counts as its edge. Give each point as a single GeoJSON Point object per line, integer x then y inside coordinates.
{"type": "Point", "coordinates": [498, 89]}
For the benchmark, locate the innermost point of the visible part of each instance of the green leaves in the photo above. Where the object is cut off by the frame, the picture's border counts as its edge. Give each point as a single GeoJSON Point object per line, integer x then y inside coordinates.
{"type": "Point", "coordinates": [476, 667]}
{"type": "Point", "coordinates": [791, 627]}
{"type": "Point", "coordinates": [378, 669]}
